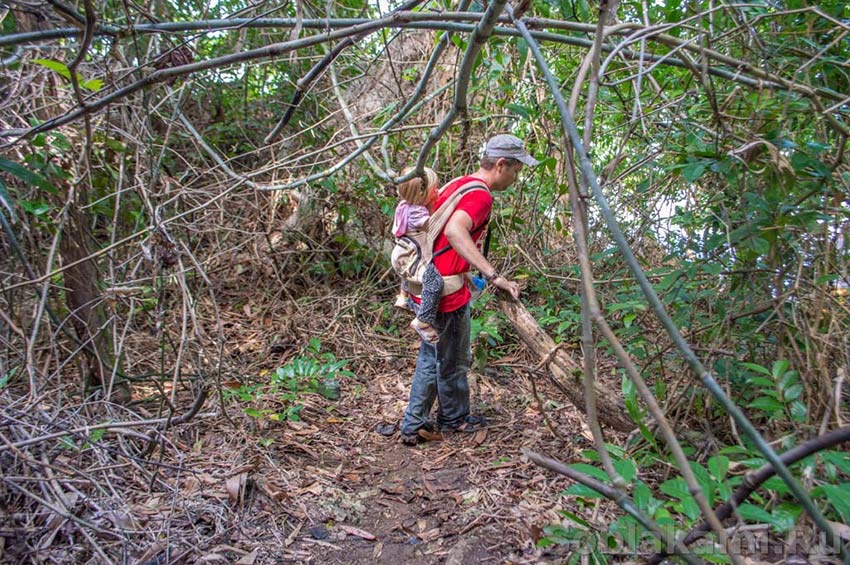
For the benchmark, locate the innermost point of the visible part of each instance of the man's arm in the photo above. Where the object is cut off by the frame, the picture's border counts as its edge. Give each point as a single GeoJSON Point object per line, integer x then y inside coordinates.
{"type": "Point", "coordinates": [457, 231]}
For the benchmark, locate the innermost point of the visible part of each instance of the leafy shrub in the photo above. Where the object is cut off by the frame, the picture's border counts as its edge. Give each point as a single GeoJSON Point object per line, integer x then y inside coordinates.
{"type": "Point", "coordinates": [313, 372]}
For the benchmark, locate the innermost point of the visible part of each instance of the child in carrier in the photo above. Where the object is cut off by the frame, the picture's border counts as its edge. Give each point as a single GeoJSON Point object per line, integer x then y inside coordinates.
{"type": "Point", "coordinates": [412, 214]}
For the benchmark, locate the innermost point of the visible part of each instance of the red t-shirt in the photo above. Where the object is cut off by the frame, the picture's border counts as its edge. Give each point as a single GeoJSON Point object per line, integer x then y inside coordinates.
{"type": "Point", "coordinates": [477, 204]}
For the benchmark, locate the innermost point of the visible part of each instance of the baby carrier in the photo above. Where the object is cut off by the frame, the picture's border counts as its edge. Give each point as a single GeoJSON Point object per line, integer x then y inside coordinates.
{"type": "Point", "coordinates": [415, 250]}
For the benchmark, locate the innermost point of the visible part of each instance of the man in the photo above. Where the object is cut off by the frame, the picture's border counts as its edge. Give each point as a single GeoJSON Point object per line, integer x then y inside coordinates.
{"type": "Point", "coordinates": [441, 368]}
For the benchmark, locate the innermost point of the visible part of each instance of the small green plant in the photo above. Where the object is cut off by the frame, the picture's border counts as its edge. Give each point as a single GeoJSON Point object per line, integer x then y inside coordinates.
{"type": "Point", "coordinates": [484, 336]}
{"type": "Point", "coordinates": [67, 442]}
{"type": "Point", "coordinates": [92, 85]}
{"type": "Point", "coordinates": [775, 392]}
{"type": "Point", "coordinates": [6, 378]}
{"type": "Point", "coordinates": [310, 373]}
{"type": "Point", "coordinates": [578, 535]}
{"type": "Point", "coordinates": [670, 504]}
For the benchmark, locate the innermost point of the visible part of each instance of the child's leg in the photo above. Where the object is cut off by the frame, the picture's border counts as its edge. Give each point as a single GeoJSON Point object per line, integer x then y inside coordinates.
{"type": "Point", "coordinates": [432, 291]}
{"type": "Point", "coordinates": [402, 297]}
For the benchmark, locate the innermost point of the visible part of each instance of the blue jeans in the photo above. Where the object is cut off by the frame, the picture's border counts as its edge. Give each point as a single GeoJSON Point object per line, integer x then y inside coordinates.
{"type": "Point", "coordinates": [441, 374]}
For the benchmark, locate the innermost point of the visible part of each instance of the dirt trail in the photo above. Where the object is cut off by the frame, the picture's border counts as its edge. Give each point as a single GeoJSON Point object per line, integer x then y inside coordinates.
{"type": "Point", "coordinates": [333, 490]}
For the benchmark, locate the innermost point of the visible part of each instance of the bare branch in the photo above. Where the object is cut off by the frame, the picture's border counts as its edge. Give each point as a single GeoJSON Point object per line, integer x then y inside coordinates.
{"type": "Point", "coordinates": [459, 107]}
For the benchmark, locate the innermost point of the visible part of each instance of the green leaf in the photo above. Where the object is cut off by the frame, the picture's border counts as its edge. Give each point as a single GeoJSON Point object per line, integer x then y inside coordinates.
{"type": "Point", "coordinates": [630, 399]}
{"type": "Point", "coordinates": [798, 411]}
{"type": "Point", "coordinates": [840, 460]}
{"type": "Point", "coordinates": [712, 554]}
{"type": "Point", "coordinates": [766, 403]}
{"type": "Point", "coordinates": [60, 68]}
{"type": "Point", "coordinates": [718, 466]}
{"type": "Point", "coordinates": [823, 279]}
{"type": "Point", "coordinates": [26, 175]}
{"type": "Point", "coordinates": [4, 380]}
{"type": "Point", "coordinates": [839, 497]}
{"type": "Point", "coordinates": [693, 171]}
{"type": "Point", "coordinates": [522, 51]}
{"type": "Point", "coordinates": [519, 110]}
{"type": "Point", "coordinates": [92, 85]}
{"type": "Point", "coordinates": [253, 412]}
{"type": "Point", "coordinates": [753, 513]}
{"type": "Point", "coordinates": [756, 368]}
{"type": "Point", "coordinates": [690, 508]}
{"type": "Point", "coordinates": [668, 281]}
{"type": "Point", "coordinates": [793, 392]}
{"type": "Point", "coordinates": [664, 518]}
{"type": "Point", "coordinates": [590, 470]}
{"type": "Point", "coordinates": [580, 490]}
{"type": "Point", "coordinates": [776, 484]}
{"type": "Point", "coordinates": [785, 516]}
{"type": "Point", "coordinates": [642, 495]}
{"type": "Point", "coordinates": [628, 529]}
{"type": "Point", "coordinates": [65, 442]}
{"type": "Point", "coordinates": [761, 382]}
{"type": "Point", "coordinates": [760, 245]}
{"type": "Point", "coordinates": [626, 469]}
{"type": "Point", "coordinates": [677, 488]}
{"type": "Point", "coordinates": [7, 202]}
{"type": "Point", "coordinates": [575, 518]}
{"type": "Point", "coordinates": [788, 379]}
{"type": "Point", "coordinates": [779, 368]}
{"type": "Point", "coordinates": [35, 207]}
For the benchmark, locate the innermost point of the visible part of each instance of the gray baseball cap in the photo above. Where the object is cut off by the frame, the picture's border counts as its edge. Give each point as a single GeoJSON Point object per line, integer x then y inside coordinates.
{"type": "Point", "coordinates": [506, 145]}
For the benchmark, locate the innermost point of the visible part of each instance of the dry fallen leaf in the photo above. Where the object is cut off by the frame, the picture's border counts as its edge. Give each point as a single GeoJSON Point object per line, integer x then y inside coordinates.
{"type": "Point", "coordinates": [357, 532]}
{"type": "Point", "coordinates": [842, 530]}
{"type": "Point", "coordinates": [291, 537]}
{"type": "Point", "coordinates": [235, 486]}
{"type": "Point", "coordinates": [392, 488]}
{"type": "Point", "coordinates": [248, 559]}
{"type": "Point", "coordinates": [479, 438]}
{"type": "Point", "coordinates": [213, 557]}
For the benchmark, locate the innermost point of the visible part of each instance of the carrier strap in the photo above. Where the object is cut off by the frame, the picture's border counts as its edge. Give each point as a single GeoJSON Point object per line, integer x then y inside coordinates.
{"type": "Point", "coordinates": [441, 216]}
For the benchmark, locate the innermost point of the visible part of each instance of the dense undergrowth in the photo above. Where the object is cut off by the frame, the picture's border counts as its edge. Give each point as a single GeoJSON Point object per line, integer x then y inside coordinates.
{"type": "Point", "coordinates": [149, 255]}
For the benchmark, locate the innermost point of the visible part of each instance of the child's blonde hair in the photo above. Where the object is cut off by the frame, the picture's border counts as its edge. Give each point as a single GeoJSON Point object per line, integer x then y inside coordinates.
{"type": "Point", "coordinates": [412, 190]}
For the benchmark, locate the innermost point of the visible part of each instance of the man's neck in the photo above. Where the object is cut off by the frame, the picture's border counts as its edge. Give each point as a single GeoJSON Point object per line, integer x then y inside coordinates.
{"type": "Point", "coordinates": [485, 175]}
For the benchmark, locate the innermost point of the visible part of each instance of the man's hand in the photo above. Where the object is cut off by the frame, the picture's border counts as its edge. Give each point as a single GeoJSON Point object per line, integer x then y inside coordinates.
{"type": "Point", "coordinates": [457, 231]}
{"type": "Point", "coordinates": [510, 287]}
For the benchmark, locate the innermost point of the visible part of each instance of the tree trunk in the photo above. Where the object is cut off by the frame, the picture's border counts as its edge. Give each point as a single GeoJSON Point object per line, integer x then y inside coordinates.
{"type": "Point", "coordinates": [82, 292]}
{"type": "Point", "coordinates": [565, 368]}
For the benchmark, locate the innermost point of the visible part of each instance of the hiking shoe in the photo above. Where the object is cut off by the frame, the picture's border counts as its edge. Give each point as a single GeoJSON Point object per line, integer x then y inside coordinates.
{"type": "Point", "coordinates": [401, 303]}
{"type": "Point", "coordinates": [423, 434]}
{"type": "Point", "coordinates": [426, 331]}
{"type": "Point", "coordinates": [470, 425]}
{"type": "Point", "coordinates": [411, 439]}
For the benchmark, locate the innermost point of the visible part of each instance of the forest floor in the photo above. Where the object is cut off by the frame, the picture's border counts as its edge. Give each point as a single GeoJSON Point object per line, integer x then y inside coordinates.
{"type": "Point", "coordinates": [238, 484]}
{"type": "Point", "coordinates": [330, 488]}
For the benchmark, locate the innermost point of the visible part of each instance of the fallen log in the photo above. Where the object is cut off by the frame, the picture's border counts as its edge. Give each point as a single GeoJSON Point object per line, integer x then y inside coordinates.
{"type": "Point", "coordinates": [565, 368]}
